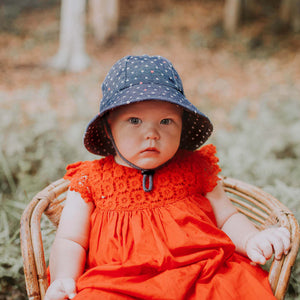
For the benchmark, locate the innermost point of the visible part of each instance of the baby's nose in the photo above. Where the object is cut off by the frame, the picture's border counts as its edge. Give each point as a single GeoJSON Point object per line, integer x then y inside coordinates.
{"type": "Point", "coordinates": [152, 133]}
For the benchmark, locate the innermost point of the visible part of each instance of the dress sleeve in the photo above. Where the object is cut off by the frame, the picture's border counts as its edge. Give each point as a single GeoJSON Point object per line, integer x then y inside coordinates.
{"type": "Point", "coordinates": [207, 168]}
{"type": "Point", "coordinates": [78, 174]}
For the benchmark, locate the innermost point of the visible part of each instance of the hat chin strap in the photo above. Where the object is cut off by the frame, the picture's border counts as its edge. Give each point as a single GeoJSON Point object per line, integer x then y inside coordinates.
{"type": "Point", "coordinates": [147, 173]}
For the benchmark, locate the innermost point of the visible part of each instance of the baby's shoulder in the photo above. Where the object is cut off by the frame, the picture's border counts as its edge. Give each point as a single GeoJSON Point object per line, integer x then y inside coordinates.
{"type": "Point", "coordinates": [205, 155]}
{"type": "Point", "coordinates": [85, 168]}
{"type": "Point", "coordinates": [84, 177]}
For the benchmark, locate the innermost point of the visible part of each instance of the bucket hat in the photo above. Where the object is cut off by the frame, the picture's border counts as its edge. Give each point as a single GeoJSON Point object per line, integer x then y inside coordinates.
{"type": "Point", "coordinates": [141, 78]}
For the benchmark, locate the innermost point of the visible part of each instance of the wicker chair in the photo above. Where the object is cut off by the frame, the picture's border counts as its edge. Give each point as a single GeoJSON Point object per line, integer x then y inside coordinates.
{"type": "Point", "coordinates": [261, 208]}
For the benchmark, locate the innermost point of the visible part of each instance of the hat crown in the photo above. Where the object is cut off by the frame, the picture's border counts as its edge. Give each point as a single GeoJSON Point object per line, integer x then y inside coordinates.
{"type": "Point", "coordinates": [137, 70]}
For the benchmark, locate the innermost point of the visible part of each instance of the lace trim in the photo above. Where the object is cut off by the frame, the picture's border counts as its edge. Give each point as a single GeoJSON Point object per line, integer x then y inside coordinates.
{"type": "Point", "coordinates": [114, 187]}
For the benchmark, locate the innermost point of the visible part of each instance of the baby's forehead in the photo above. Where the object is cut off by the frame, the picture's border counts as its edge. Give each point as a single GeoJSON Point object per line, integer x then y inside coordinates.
{"type": "Point", "coordinates": [153, 105]}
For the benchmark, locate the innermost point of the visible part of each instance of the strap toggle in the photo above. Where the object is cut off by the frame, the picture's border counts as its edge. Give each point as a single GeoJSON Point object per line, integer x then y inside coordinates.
{"type": "Point", "coordinates": [148, 176]}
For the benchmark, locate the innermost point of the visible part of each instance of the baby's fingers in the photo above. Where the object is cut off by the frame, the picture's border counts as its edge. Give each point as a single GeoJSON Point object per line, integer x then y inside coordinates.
{"type": "Point", "coordinates": [278, 247]}
{"type": "Point", "coordinates": [60, 289]}
{"type": "Point", "coordinates": [69, 287]}
{"type": "Point", "coordinates": [55, 291]}
{"type": "Point", "coordinates": [281, 242]}
{"type": "Point", "coordinates": [286, 239]}
{"type": "Point", "coordinates": [256, 256]}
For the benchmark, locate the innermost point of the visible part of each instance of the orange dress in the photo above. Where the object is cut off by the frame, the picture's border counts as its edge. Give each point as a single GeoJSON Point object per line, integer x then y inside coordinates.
{"type": "Point", "coordinates": [162, 244]}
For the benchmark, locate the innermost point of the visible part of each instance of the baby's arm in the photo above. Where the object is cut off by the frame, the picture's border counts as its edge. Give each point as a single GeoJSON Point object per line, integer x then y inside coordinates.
{"type": "Point", "coordinates": [257, 245]}
{"type": "Point", "coordinates": [68, 252]}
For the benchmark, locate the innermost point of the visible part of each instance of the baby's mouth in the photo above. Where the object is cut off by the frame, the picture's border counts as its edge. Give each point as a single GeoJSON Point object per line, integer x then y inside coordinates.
{"type": "Point", "coordinates": [150, 149]}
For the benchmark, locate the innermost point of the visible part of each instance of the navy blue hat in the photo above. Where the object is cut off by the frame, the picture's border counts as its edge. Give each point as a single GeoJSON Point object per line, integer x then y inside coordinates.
{"type": "Point", "coordinates": [140, 78]}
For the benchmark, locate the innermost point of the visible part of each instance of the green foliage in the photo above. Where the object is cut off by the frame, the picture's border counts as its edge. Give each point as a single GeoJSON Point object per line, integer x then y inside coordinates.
{"type": "Point", "coordinates": [34, 151]}
{"type": "Point", "coordinates": [264, 150]}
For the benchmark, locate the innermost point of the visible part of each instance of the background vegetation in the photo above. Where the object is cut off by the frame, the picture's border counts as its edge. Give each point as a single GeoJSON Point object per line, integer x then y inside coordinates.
{"type": "Point", "coordinates": [248, 85]}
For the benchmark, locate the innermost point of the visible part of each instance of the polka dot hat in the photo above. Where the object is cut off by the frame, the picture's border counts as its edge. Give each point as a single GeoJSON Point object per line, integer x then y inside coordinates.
{"type": "Point", "coordinates": [140, 78]}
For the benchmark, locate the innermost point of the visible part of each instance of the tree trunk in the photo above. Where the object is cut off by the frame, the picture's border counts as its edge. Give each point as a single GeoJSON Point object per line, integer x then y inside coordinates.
{"type": "Point", "coordinates": [296, 16]}
{"type": "Point", "coordinates": [232, 12]}
{"type": "Point", "coordinates": [104, 15]}
{"type": "Point", "coordinates": [285, 11]}
{"type": "Point", "coordinates": [290, 13]}
{"type": "Point", "coordinates": [71, 55]}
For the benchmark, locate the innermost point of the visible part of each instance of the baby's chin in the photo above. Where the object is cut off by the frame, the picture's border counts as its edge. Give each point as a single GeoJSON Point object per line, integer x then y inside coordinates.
{"type": "Point", "coordinates": [145, 163]}
{"type": "Point", "coordinates": [148, 166]}
{"type": "Point", "coordinates": [149, 163]}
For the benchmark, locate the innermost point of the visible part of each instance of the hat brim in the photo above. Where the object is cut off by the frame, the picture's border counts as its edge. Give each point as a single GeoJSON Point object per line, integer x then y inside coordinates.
{"type": "Point", "coordinates": [196, 126]}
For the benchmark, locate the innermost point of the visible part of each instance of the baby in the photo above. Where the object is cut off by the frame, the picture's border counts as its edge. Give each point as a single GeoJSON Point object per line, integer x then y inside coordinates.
{"type": "Point", "coordinates": [150, 219]}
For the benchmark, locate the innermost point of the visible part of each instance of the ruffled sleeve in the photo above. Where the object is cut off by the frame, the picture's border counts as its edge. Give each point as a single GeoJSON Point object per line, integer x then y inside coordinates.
{"type": "Point", "coordinates": [206, 167]}
{"type": "Point", "coordinates": [78, 174]}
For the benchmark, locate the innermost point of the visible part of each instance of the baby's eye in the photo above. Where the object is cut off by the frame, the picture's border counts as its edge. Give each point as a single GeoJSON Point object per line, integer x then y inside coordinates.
{"type": "Point", "coordinates": [166, 121]}
{"type": "Point", "coordinates": [135, 121]}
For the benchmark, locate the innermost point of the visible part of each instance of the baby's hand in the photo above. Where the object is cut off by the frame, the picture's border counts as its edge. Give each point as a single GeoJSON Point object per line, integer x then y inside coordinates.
{"type": "Point", "coordinates": [59, 289]}
{"type": "Point", "coordinates": [260, 246]}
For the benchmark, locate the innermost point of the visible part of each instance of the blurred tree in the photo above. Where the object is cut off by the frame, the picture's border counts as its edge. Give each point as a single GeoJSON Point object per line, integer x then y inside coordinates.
{"type": "Point", "coordinates": [104, 16]}
{"type": "Point", "coordinates": [290, 13]}
{"type": "Point", "coordinates": [232, 11]}
{"type": "Point", "coordinates": [71, 55]}
{"type": "Point", "coordinates": [288, 16]}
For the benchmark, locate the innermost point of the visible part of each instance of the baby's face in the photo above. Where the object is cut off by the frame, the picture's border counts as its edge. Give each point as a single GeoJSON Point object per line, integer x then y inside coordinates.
{"type": "Point", "coordinates": [146, 133]}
